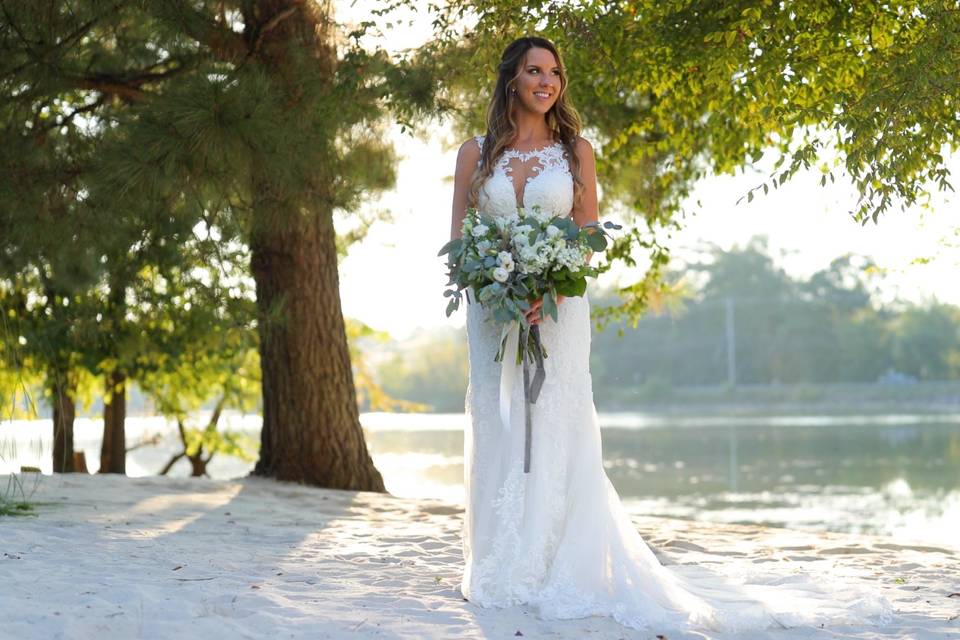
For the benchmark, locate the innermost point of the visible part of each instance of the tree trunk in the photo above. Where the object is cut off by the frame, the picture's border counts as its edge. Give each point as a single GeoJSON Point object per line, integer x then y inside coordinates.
{"type": "Point", "coordinates": [311, 428]}
{"type": "Point", "coordinates": [64, 411]}
{"type": "Point", "coordinates": [113, 451]}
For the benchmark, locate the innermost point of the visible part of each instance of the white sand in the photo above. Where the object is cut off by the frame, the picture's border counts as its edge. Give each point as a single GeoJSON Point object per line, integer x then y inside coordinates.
{"type": "Point", "coordinates": [114, 558]}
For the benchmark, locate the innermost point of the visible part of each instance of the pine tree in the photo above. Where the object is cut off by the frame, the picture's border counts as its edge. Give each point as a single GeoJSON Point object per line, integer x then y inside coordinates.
{"type": "Point", "coordinates": [256, 119]}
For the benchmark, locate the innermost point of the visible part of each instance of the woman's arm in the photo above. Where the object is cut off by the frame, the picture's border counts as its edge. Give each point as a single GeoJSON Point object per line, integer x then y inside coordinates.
{"type": "Point", "coordinates": [467, 158]}
{"type": "Point", "coordinates": [587, 209]}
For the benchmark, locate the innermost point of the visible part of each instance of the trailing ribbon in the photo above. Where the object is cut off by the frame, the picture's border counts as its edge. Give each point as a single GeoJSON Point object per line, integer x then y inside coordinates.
{"type": "Point", "coordinates": [511, 341]}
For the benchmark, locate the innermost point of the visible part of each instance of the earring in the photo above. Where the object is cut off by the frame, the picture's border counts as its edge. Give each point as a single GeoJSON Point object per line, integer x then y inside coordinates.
{"type": "Point", "coordinates": [514, 90]}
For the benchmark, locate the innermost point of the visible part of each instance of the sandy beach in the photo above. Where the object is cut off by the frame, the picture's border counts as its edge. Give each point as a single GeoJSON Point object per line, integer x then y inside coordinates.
{"type": "Point", "coordinates": [112, 557]}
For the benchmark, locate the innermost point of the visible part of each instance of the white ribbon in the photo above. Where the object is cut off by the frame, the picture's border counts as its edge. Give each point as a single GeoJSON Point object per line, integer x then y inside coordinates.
{"type": "Point", "coordinates": [508, 372]}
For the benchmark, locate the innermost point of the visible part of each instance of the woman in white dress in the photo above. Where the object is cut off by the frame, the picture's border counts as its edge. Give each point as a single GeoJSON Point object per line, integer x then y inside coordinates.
{"type": "Point", "coordinates": [557, 538]}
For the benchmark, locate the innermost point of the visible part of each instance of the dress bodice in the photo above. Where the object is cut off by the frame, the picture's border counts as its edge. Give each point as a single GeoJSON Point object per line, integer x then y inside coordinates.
{"type": "Point", "coordinates": [549, 184]}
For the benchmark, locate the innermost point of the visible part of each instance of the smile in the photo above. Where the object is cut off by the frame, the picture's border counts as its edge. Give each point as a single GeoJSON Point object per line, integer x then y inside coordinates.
{"type": "Point", "coordinates": [542, 95]}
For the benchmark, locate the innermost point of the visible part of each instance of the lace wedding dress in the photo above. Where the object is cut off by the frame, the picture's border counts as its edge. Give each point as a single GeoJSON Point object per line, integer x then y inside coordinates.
{"type": "Point", "coordinates": [557, 538]}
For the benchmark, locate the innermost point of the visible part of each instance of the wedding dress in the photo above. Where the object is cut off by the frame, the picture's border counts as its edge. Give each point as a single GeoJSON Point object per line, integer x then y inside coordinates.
{"type": "Point", "coordinates": [557, 538]}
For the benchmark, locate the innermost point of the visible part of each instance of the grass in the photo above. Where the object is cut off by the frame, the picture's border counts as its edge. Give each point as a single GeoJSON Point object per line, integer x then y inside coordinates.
{"type": "Point", "coordinates": [15, 508]}
{"type": "Point", "coordinates": [16, 497]}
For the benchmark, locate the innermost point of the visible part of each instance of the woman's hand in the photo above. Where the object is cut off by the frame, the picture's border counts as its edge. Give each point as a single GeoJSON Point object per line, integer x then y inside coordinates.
{"type": "Point", "coordinates": [533, 314]}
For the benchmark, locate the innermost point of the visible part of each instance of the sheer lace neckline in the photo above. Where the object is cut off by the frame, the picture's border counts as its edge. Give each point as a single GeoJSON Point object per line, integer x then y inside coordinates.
{"type": "Point", "coordinates": [524, 155]}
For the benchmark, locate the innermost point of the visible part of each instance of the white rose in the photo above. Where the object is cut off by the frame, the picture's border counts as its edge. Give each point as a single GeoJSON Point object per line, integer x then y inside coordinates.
{"type": "Point", "coordinates": [500, 274]}
{"type": "Point", "coordinates": [503, 257]}
{"type": "Point", "coordinates": [484, 245]}
{"type": "Point", "coordinates": [480, 230]}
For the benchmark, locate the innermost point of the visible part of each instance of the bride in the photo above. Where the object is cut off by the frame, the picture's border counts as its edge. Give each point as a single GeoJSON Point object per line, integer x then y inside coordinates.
{"type": "Point", "coordinates": [557, 538]}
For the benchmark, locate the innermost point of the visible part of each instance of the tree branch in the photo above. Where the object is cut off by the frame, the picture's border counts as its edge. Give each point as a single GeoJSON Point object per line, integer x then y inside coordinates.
{"type": "Point", "coordinates": [170, 464]}
{"type": "Point", "coordinates": [225, 43]}
{"type": "Point", "coordinates": [272, 23]}
{"type": "Point", "coordinates": [69, 117]}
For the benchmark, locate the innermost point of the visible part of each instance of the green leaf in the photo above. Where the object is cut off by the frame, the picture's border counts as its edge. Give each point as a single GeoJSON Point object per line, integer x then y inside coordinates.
{"type": "Point", "coordinates": [550, 306]}
{"type": "Point", "coordinates": [453, 245]}
{"type": "Point", "coordinates": [597, 241]}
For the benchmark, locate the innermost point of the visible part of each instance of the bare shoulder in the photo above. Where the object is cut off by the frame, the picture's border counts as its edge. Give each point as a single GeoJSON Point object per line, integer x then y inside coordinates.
{"type": "Point", "coordinates": [583, 148]}
{"type": "Point", "coordinates": [469, 151]}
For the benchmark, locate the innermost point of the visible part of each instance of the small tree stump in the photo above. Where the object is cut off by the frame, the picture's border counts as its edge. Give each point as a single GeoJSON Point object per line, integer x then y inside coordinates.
{"type": "Point", "coordinates": [79, 462]}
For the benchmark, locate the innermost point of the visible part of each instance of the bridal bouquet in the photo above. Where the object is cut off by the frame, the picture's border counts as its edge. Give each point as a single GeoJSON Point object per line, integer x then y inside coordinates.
{"type": "Point", "coordinates": [510, 261]}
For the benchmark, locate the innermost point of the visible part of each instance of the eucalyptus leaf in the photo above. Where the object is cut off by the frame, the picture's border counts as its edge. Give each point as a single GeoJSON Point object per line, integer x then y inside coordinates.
{"type": "Point", "coordinates": [597, 241]}
{"type": "Point", "coordinates": [550, 306]}
{"type": "Point", "coordinates": [451, 246]}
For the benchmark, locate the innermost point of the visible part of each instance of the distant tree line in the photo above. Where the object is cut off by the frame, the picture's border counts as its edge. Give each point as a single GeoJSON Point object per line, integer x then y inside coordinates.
{"type": "Point", "coordinates": [747, 321]}
{"type": "Point", "coordinates": [781, 329]}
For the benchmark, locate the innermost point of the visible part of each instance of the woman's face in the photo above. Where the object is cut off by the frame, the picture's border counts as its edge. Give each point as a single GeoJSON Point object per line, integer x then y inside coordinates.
{"type": "Point", "coordinates": [538, 85]}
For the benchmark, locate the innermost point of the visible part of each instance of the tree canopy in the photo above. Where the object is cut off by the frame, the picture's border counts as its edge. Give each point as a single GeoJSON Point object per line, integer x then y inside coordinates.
{"type": "Point", "coordinates": [671, 91]}
{"type": "Point", "coordinates": [135, 133]}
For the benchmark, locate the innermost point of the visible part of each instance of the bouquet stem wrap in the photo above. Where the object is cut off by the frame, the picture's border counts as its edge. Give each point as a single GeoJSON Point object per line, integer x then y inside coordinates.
{"type": "Point", "coordinates": [521, 341]}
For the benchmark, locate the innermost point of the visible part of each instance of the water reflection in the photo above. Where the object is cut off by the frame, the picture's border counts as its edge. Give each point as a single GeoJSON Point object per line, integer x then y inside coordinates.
{"type": "Point", "coordinates": [893, 475]}
{"type": "Point", "coordinates": [886, 476]}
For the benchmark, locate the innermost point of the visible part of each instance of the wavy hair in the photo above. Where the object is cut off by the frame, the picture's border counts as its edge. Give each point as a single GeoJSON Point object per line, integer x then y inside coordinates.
{"type": "Point", "coordinates": [562, 118]}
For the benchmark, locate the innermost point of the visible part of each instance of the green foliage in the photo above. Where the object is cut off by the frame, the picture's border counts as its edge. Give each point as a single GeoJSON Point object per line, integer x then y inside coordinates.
{"type": "Point", "coordinates": [926, 342]}
{"type": "Point", "coordinates": [16, 498]}
{"type": "Point", "coordinates": [825, 329]}
{"type": "Point", "coordinates": [211, 440]}
{"type": "Point", "coordinates": [371, 394]}
{"type": "Point", "coordinates": [672, 91]}
{"type": "Point", "coordinates": [793, 334]}
{"type": "Point", "coordinates": [128, 127]}
{"type": "Point", "coordinates": [430, 369]}
{"type": "Point", "coordinates": [145, 144]}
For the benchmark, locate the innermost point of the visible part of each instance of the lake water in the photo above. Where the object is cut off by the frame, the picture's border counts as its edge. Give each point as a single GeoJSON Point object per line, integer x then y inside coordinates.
{"type": "Point", "coordinates": [891, 475]}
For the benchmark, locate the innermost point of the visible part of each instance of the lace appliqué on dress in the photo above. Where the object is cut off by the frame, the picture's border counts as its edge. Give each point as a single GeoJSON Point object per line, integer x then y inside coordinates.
{"type": "Point", "coordinates": [549, 183]}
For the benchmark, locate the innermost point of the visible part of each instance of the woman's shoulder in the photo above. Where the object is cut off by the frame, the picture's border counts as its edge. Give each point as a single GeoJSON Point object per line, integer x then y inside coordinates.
{"type": "Point", "coordinates": [474, 143]}
{"type": "Point", "coordinates": [583, 149]}
{"type": "Point", "coordinates": [582, 145]}
{"type": "Point", "coordinates": [470, 149]}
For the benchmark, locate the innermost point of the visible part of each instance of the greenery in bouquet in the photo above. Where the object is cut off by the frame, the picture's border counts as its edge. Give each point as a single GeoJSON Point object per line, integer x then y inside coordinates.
{"type": "Point", "coordinates": [508, 262]}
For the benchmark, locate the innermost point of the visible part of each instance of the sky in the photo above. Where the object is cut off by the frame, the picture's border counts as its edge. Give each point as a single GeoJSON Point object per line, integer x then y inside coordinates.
{"type": "Point", "coordinates": [394, 280]}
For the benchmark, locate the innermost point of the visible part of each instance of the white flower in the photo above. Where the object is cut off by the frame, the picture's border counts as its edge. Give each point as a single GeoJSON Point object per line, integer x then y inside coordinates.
{"type": "Point", "coordinates": [483, 246]}
{"type": "Point", "coordinates": [571, 258]}
{"type": "Point", "coordinates": [480, 230]}
{"type": "Point", "coordinates": [553, 232]}
{"type": "Point", "coordinates": [540, 215]}
{"type": "Point", "coordinates": [500, 274]}
{"type": "Point", "coordinates": [502, 222]}
{"type": "Point", "coordinates": [521, 235]}
{"type": "Point", "coordinates": [531, 260]}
